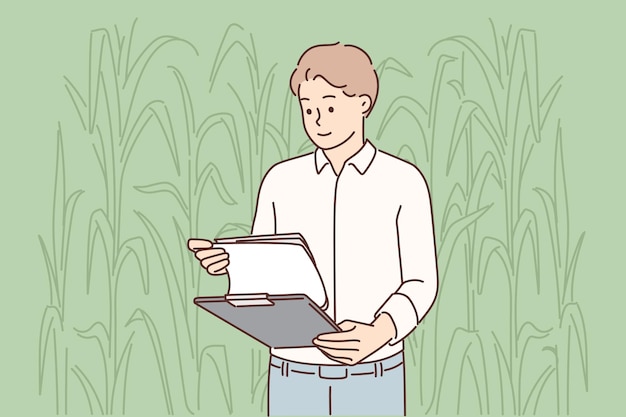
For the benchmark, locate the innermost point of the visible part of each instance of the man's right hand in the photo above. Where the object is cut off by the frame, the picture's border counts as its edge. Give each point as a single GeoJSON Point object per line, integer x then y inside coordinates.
{"type": "Point", "coordinates": [213, 260]}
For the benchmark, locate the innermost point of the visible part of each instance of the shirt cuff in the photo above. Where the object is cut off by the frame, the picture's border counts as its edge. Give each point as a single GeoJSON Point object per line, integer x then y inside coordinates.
{"type": "Point", "coordinates": [402, 313]}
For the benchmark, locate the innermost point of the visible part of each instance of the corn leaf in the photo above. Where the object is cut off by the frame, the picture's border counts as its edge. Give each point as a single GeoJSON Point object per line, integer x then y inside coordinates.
{"type": "Point", "coordinates": [58, 204]}
{"type": "Point", "coordinates": [526, 226]}
{"type": "Point", "coordinates": [307, 145]}
{"type": "Point", "coordinates": [277, 138]}
{"type": "Point", "coordinates": [537, 389]}
{"type": "Point", "coordinates": [414, 109]}
{"type": "Point", "coordinates": [570, 273]}
{"type": "Point", "coordinates": [392, 64]}
{"type": "Point", "coordinates": [97, 41]}
{"type": "Point", "coordinates": [210, 171]}
{"type": "Point", "coordinates": [405, 152]}
{"type": "Point", "coordinates": [177, 299]}
{"type": "Point", "coordinates": [99, 332]}
{"type": "Point", "coordinates": [504, 377]}
{"type": "Point", "coordinates": [99, 225]}
{"type": "Point", "coordinates": [572, 320]}
{"type": "Point", "coordinates": [190, 122]}
{"type": "Point", "coordinates": [233, 37]}
{"type": "Point", "coordinates": [55, 296]}
{"type": "Point", "coordinates": [529, 52]}
{"type": "Point", "coordinates": [140, 316]}
{"type": "Point", "coordinates": [218, 356]}
{"type": "Point", "coordinates": [479, 180]}
{"type": "Point", "coordinates": [167, 188]}
{"type": "Point", "coordinates": [560, 200]}
{"type": "Point", "coordinates": [236, 228]}
{"type": "Point", "coordinates": [454, 231]}
{"type": "Point", "coordinates": [121, 374]}
{"type": "Point", "coordinates": [442, 61]}
{"type": "Point", "coordinates": [136, 248]}
{"type": "Point", "coordinates": [550, 210]}
{"type": "Point", "coordinates": [490, 246]}
{"type": "Point", "coordinates": [90, 391]}
{"type": "Point", "coordinates": [77, 100]}
{"type": "Point", "coordinates": [159, 110]}
{"type": "Point", "coordinates": [463, 116]}
{"type": "Point", "coordinates": [457, 201]}
{"type": "Point", "coordinates": [68, 219]}
{"type": "Point", "coordinates": [525, 334]}
{"type": "Point", "coordinates": [492, 76]}
{"type": "Point", "coordinates": [464, 351]}
{"type": "Point", "coordinates": [548, 101]}
{"type": "Point", "coordinates": [51, 325]}
{"type": "Point", "coordinates": [458, 88]}
{"type": "Point", "coordinates": [228, 121]}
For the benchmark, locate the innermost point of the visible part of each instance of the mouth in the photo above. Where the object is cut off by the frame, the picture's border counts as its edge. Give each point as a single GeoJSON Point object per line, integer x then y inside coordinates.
{"type": "Point", "coordinates": [324, 134]}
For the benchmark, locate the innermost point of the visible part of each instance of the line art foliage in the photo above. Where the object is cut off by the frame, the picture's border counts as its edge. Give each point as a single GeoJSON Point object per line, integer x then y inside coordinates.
{"type": "Point", "coordinates": [180, 136]}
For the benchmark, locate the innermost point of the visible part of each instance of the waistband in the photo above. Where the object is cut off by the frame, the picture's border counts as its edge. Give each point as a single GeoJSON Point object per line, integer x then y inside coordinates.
{"type": "Point", "coordinates": [377, 368]}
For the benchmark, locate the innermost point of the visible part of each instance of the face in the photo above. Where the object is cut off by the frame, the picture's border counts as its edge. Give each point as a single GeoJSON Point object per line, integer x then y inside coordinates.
{"type": "Point", "coordinates": [330, 117]}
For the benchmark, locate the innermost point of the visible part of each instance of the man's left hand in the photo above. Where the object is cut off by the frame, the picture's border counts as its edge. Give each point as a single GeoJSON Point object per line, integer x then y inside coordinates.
{"type": "Point", "coordinates": [357, 340]}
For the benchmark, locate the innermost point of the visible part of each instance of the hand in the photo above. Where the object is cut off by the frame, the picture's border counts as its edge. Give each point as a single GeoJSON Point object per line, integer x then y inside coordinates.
{"type": "Point", "coordinates": [357, 341]}
{"type": "Point", "coordinates": [214, 260]}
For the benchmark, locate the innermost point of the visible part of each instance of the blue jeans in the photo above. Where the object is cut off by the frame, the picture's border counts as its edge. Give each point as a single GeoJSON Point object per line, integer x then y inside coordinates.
{"type": "Point", "coordinates": [375, 388]}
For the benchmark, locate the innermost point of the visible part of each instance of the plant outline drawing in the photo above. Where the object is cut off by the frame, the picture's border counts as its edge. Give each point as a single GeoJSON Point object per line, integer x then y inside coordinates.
{"type": "Point", "coordinates": [504, 237]}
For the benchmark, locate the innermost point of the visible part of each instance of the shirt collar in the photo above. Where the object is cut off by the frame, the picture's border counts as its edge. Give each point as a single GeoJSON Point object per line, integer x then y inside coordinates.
{"type": "Point", "coordinates": [360, 160]}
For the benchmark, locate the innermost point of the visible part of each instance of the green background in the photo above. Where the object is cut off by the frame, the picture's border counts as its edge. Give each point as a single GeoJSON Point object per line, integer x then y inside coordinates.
{"type": "Point", "coordinates": [43, 42]}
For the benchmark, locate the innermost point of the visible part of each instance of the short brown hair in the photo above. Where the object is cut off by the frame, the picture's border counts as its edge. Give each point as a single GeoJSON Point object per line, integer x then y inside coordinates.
{"type": "Point", "coordinates": [347, 67]}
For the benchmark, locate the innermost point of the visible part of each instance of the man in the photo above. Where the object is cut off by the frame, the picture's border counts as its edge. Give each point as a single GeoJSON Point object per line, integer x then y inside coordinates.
{"type": "Point", "coordinates": [367, 218]}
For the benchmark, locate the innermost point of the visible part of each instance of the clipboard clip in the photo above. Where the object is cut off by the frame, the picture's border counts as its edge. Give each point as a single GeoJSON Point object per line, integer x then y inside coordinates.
{"type": "Point", "coordinates": [249, 300]}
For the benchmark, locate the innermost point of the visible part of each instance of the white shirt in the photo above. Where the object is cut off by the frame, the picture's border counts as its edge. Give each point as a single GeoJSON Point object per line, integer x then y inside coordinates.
{"type": "Point", "coordinates": [370, 231]}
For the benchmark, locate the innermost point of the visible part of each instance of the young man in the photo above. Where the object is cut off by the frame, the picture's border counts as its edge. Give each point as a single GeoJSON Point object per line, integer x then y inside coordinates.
{"type": "Point", "coordinates": [367, 218]}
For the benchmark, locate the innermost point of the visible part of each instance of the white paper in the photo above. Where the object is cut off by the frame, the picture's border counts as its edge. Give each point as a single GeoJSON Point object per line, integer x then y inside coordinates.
{"type": "Point", "coordinates": [276, 265]}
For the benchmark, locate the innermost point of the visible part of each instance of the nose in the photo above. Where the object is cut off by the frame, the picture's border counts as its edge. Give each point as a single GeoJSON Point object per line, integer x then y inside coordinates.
{"type": "Point", "coordinates": [319, 115]}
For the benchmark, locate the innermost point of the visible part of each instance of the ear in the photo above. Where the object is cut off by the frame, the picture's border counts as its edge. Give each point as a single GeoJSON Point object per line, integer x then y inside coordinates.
{"type": "Point", "coordinates": [366, 103]}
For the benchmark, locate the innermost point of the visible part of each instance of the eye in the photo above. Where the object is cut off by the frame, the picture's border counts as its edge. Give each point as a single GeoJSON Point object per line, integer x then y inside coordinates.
{"type": "Point", "coordinates": [330, 109]}
{"type": "Point", "coordinates": [308, 111]}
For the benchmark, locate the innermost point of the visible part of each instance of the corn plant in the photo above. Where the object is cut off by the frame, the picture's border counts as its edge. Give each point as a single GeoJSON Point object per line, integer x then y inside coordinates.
{"type": "Point", "coordinates": [454, 224]}
{"type": "Point", "coordinates": [570, 332]}
{"type": "Point", "coordinates": [182, 275]}
{"type": "Point", "coordinates": [109, 111]}
{"type": "Point", "coordinates": [509, 117]}
{"type": "Point", "coordinates": [54, 335]}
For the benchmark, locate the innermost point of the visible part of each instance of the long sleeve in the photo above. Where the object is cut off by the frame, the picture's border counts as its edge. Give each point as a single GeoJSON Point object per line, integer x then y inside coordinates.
{"type": "Point", "coordinates": [416, 241]}
{"type": "Point", "coordinates": [265, 216]}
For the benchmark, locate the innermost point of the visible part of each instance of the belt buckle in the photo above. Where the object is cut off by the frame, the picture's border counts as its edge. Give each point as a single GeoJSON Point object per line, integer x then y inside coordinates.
{"type": "Point", "coordinates": [332, 372]}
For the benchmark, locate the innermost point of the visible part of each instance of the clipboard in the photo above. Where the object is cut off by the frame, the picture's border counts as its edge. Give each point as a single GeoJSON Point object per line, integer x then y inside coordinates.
{"type": "Point", "coordinates": [277, 321]}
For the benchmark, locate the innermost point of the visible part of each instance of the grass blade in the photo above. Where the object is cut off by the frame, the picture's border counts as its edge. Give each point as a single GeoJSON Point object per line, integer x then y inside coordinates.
{"type": "Point", "coordinates": [210, 171]}
{"type": "Point", "coordinates": [99, 225]}
{"type": "Point", "coordinates": [167, 188]}
{"type": "Point", "coordinates": [217, 354]}
{"type": "Point", "coordinates": [140, 316]}
{"type": "Point", "coordinates": [135, 247]}
{"type": "Point", "coordinates": [90, 391]}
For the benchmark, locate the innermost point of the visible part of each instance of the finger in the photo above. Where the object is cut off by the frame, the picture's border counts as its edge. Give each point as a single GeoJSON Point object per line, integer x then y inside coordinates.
{"type": "Point", "coordinates": [203, 254]}
{"type": "Point", "coordinates": [348, 325]}
{"type": "Point", "coordinates": [218, 268]}
{"type": "Point", "coordinates": [337, 336]}
{"type": "Point", "coordinates": [207, 262]}
{"type": "Point", "coordinates": [345, 345]}
{"type": "Point", "coordinates": [196, 244]}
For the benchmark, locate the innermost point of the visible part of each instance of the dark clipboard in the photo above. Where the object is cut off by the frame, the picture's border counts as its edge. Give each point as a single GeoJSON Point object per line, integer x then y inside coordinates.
{"type": "Point", "coordinates": [278, 321]}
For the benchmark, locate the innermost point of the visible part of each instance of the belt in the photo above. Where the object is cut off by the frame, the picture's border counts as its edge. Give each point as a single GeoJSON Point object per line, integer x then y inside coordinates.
{"type": "Point", "coordinates": [377, 369]}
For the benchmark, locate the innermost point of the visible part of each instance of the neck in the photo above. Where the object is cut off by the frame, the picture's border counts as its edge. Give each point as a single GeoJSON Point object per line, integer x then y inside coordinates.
{"type": "Point", "coordinates": [340, 154]}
